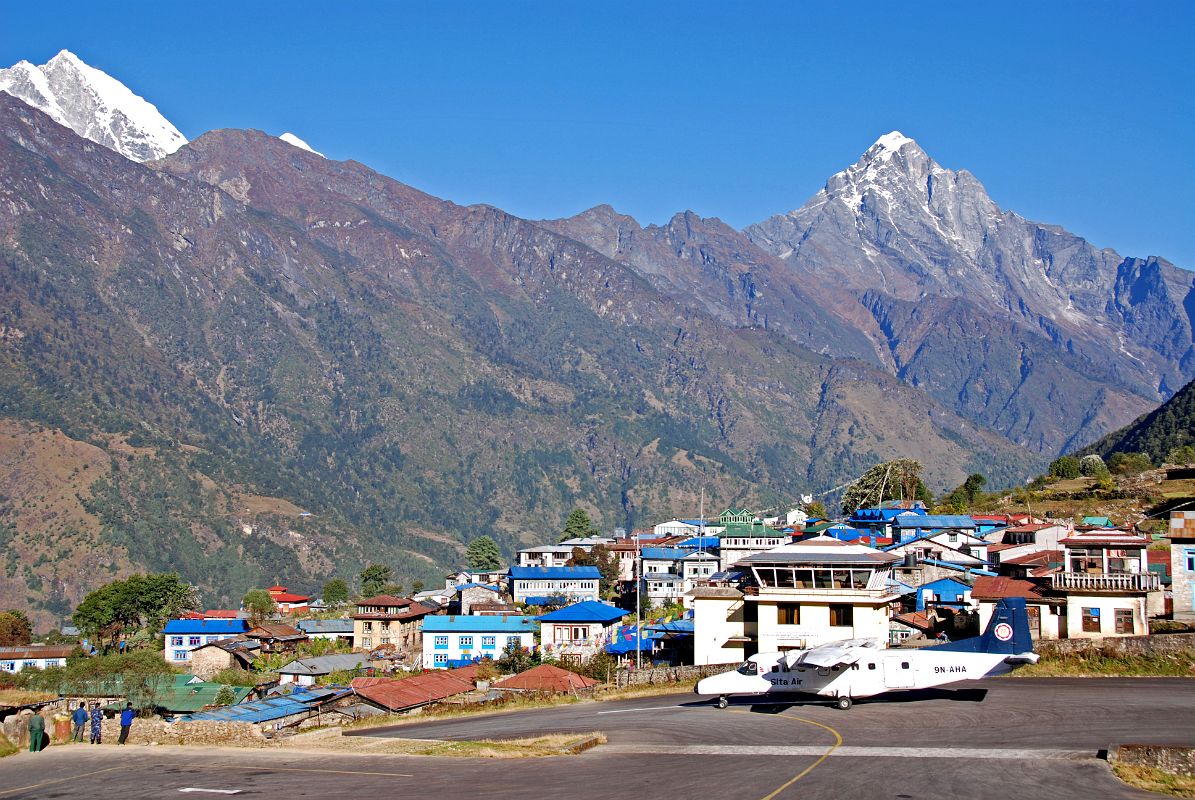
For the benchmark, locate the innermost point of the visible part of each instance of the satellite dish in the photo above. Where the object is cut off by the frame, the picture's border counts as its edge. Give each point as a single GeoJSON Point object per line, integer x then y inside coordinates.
{"type": "Point", "coordinates": [806, 499]}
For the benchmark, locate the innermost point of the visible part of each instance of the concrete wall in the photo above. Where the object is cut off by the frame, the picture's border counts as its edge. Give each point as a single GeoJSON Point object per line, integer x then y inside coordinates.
{"type": "Point", "coordinates": [1075, 604]}
{"type": "Point", "coordinates": [1183, 586]}
{"type": "Point", "coordinates": [714, 621]}
{"type": "Point", "coordinates": [870, 621]}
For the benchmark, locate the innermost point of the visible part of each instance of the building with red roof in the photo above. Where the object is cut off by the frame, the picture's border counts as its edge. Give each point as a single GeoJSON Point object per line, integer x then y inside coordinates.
{"type": "Point", "coordinates": [405, 694]}
{"type": "Point", "coordinates": [287, 602]}
{"type": "Point", "coordinates": [546, 679]}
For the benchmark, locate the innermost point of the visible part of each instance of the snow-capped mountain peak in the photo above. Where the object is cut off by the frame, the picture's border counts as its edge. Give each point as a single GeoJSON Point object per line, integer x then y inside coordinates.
{"type": "Point", "coordinates": [892, 141]}
{"type": "Point", "coordinates": [94, 105]}
{"type": "Point", "coordinates": [295, 141]}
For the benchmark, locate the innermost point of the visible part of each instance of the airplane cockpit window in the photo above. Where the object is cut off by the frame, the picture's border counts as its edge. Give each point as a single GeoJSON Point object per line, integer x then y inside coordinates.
{"type": "Point", "coordinates": [749, 668]}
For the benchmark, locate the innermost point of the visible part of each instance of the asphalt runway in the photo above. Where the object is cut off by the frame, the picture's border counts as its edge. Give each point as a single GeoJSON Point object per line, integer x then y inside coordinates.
{"type": "Point", "coordinates": [993, 739]}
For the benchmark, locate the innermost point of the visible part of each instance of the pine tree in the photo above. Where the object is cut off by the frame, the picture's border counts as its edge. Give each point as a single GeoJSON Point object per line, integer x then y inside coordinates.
{"type": "Point", "coordinates": [483, 553]}
{"type": "Point", "coordinates": [578, 526]}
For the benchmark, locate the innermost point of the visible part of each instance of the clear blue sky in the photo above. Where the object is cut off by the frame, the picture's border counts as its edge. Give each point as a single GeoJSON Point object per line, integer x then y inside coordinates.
{"type": "Point", "coordinates": [1080, 114]}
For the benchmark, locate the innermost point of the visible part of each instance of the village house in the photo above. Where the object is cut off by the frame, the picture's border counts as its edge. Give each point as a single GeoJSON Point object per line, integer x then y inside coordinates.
{"type": "Point", "coordinates": [450, 641]}
{"type": "Point", "coordinates": [918, 526]}
{"type": "Point", "coordinates": [544, 585]}
{"type": "Point", "coordinates": [1182, 564]}
{"type": "Point", "coordinates": [473, 594]}
{"type": "Point", "coordinates": [1047, 613]}
{"type": "Point", "coordinates": [276, 637]}
{"type": "Point", "coordinates": [337, 630]}
{"type": "Point", "coordinates": [577, 632]}
{"type": "Point", "coordinates": [388, 620]}
{"type": "Point", "coordinates": [547, 555]}
{"type": "Point", "coordinates": [802, 595]}
{"type": "Point", "coordinates": [15, 659]}
{"type": "Point", "coordinates": [1022, 540]}
{"type": "Point", "coordinates": [742, 539]}
{"type": "Point", "coordinates": [181, 636]}
{"type": "Point", "coordinates": [882, 520]}
{"type": "Point", "coordinates": [1107, 583]}
{"type": "Point", "coordinates": [306, 671]}
{"type": "Point", "coordinates": [287, 602]}
{"type": "Point", "coordinates": [213, 657]}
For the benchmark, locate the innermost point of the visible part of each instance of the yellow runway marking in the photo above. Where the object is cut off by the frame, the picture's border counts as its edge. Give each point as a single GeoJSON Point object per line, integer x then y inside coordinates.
{"type": "Point", "coordinates": [811, 767]}
{"type": "Point", "coordinates": [56, 780]}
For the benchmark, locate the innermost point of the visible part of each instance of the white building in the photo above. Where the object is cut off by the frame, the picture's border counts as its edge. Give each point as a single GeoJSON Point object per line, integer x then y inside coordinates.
{"type": "Point", "coordinates": [181, 636]}
{"type": "Point", "coordinates": [1182, 563]}
{"type": "Point", "coordinates": [15, 659]}
{"type": "Point", "coordinates": [805, 594]}
{"type": "Point", "coordinates": [548, 555]}
{"type": "Point", "coordinates": [455, 640]}
{"type": "Point", "coordinates": [543, 585]}
{"type": "Point", "coordinates": [740, 540]}
{"type": "Point", "coordinates": [676, 527]}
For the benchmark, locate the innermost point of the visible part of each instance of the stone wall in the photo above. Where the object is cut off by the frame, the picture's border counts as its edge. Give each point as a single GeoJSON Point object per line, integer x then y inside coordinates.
{"type": "Point", "coordinates": [1174, 759]}
{"type": "Point", "coordinates": [147, 731]}
{"type": "Point", "coordinates": [1157, 644]}
{"type": "Point", "coordinates": [665, 675]}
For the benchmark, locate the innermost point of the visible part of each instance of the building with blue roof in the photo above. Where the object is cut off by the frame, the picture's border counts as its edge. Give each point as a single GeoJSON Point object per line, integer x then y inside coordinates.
{"type": "Point", "coordinates": [908, 527]}
{"type": "Point", "coordinates": [558, 584]}
{"type": "Point", "coordinates": [181, 636]}
{"type": "Point", "coordinates": [881, 520]}
{"type": "Point", "coordinates": [454, 639]}
{"type": "Point", "coordinates": [579, 631]}
{"type": "Point", "coordinates": [280, 709]}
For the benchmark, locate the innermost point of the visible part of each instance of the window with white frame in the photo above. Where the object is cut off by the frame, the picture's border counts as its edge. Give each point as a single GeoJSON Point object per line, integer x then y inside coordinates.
{"type": "Point", "coordinates": [441, 642]}
{"type": "Point", "coordinates": [440, 658]}
{"type": "Point", "coordinates": [466, 642]}
{"type": "Point", "coordinates": [193, 641]}
{"type": "Point", "coordinates": [488, 642]}
{"type": "Point", "coordinates": [181, 655]}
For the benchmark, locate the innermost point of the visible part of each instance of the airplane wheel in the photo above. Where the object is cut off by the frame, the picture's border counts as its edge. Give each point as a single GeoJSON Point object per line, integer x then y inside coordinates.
{"type": "Point", "coordinates": [723, 702]}
{"type": "Point", "coordinates": [843, 703]}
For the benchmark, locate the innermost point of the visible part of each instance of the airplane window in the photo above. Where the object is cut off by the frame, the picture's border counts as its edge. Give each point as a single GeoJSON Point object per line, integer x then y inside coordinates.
{"type": "Point", "coordinates": [834, 669]}
{"type": "Point", "coordinates": [749, 668]}
{"type": "Point", "coordinates": [871, 666]}
{"type": "Point", "coordinates": [854, 666]}
{"type": "Point", "coordinates": [904, 665]}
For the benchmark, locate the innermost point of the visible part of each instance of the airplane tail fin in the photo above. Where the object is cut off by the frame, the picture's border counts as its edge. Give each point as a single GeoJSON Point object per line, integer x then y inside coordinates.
{"type": "Point", "coordinates": [1007, 632]}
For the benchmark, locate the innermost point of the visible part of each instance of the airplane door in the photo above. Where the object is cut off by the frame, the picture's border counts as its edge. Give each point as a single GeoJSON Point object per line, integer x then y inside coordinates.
{"type": "Point", "coordinates": [898, 673]}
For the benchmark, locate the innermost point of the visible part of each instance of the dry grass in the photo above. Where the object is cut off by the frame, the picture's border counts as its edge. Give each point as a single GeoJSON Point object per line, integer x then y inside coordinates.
{"type": "Point", "coordinates": [331, 740]}
{"type": "Point", "coordinates": [21, 697]}
{"type": "Point", "coordinates": [7, 748]}
{"type": "Point", "coordinates": [1155, 780]}
{"type": "Point", "coordinates": [1092, 665]}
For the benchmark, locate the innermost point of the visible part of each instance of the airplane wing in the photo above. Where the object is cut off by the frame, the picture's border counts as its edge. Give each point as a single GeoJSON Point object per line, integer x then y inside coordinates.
{"type": "Point", "coordinates": [833, 654]}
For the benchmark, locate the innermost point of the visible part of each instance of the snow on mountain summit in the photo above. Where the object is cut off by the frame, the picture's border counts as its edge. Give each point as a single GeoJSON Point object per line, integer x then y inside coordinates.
{"type": "Point", "coordinates": [94, 105]}
{"type": "Point", "coordinates": [892, 141]}
{"type": "Point", "coordinates": [295, 141]}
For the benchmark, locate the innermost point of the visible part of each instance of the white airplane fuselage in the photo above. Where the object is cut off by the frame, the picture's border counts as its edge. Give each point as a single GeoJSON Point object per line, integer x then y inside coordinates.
{"type": "Point", "coordinates": [877, 671]}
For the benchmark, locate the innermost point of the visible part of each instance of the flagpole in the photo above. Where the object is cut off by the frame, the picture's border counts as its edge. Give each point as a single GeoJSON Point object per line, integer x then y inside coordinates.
{"type": "Point", "coordinates": [638, 601]}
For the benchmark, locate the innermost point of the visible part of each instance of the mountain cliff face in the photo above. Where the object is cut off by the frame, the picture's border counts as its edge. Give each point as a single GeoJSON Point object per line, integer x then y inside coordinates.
{"type": "Point", "coordinates": [245, 330]}
{"type": "Point", "coordinates": [93, 105]}
{"type": "Point", "coordinates": [1018, 326]}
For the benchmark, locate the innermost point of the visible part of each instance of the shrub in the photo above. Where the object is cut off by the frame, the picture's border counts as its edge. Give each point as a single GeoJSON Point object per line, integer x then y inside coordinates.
{"type": "Point", "coordinates": [1092, 466]}
{"type": "Point", "coordinates": [1129, 463]}
{"type": "Point", "coordinates": [1065, 467]}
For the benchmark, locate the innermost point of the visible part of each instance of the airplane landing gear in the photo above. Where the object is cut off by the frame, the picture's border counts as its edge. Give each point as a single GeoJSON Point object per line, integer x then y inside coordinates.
{"type": "Point", "coordinates": [843, 703]}
{"type": "Point", "coordinates": [722, 702]}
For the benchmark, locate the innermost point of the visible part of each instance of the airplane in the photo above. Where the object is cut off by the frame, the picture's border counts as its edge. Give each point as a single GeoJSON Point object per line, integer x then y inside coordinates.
{"type": "Point", "coordinates": [856, 668]}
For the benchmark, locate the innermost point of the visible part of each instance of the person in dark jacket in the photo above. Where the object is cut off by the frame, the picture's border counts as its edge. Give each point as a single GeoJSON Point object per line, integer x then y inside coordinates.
{"type": "Point", "coordinates": [126, 722]}
{"type": "Point", "coordinates": [37, 732]}
{"type": "Point", "coordinates": [97, 723]}
{"type": "Point", "coordinates": [80, 718]}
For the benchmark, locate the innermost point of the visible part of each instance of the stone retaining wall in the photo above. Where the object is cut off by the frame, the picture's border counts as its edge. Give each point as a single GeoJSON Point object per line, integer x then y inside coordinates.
{"type": "Point", "coordinates": [152, 731]}
{"type": "Point", "coordinates": [1175, 759]}
{"type": "Point", "coordinates": [666, 675]}
{"type": "Point", "coordinates": [1157, 644]}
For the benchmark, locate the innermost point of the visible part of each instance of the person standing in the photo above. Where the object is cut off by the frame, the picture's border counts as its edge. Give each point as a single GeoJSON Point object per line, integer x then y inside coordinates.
{"type": "Point", "coordinates": [37, 731]}
{"type": "Point", "coordinates": [126, 722]}
{"type": "Point", "coordinates": [97, 723]}
{"type": "Point", "coordinates": [80, 718]}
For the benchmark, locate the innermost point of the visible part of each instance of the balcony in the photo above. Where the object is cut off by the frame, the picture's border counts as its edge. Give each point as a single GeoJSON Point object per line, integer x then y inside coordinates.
{"type": "Point", "coordinates": [1105, 582]}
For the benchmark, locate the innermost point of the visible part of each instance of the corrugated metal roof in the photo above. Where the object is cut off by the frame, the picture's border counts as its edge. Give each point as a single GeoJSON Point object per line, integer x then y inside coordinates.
{"type": "Point", "coordinates": [411, 692]}
{"type": "Point", "coordinates": [474, 623]}
{"type": "Point", "coordinates": [274, 706]}
{"type": "Point", "coordinates": [557, 573]}
{"type": "Point", "coordinates": [935, 521]}
{"type": "Point", "coordinates": [587, 611]}
{"type": "Point", "coordinates": [664, 553]}
{"type": "Point", "coordinates": [323, 665]}
{"type": "Point", "coordinates": [546, 678]}
{"type": "Point", "coordinates": [311, 626]}
{"type": "Point", "coordinates": [206, 626]}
